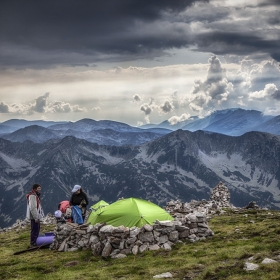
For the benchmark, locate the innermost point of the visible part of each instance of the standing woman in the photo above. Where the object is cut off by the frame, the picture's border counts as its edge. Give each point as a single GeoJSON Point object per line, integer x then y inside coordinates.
{"type": "Point", "coordinates": [79, 198]}
{"type": "Point", "coordinates": [34, 212]}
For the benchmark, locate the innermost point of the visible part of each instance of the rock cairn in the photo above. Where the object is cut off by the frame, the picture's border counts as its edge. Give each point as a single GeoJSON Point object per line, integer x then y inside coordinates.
{"type": "Point", "coordinates": [117, 242]}
{"type": "Point", "coordinates": [178, 209]}
{"type": "Point", "coordinates": [219, 199]}
{"type": "Point", "coordinates": [221, 195]}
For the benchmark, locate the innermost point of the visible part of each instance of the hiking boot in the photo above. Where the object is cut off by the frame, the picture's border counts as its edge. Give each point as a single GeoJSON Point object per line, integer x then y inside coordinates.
{"type": "Point", "coordinates": [31, 246]}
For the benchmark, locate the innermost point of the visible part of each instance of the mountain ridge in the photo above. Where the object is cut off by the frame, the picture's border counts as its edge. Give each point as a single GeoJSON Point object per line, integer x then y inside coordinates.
{"type": "Point", "coordinates": [233, 122]}
{"type": "Point", "coordinates": [180, 165]}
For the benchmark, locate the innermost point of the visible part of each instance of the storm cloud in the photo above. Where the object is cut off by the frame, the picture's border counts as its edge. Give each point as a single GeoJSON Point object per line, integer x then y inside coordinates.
{"type": "Point", "coordinates": [41, 34]}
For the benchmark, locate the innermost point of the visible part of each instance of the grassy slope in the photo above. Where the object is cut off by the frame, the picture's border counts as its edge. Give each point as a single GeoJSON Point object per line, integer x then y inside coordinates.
{"type": "Point", "coordinates": [221, 257]}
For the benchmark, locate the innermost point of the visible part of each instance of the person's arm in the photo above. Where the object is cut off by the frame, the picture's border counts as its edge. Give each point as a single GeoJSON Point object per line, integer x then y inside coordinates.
{"type": "Point", "coordinates": [71, 200]}
{"type": "Point", "coordinates": [86, 199]}
{"type": "Point", "coordinates": [33, 207]}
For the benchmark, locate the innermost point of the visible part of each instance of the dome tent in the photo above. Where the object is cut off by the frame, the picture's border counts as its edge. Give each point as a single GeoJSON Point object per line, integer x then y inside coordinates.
{"type": "Point", "coordinates": [130, 212]}
{"type": "Point", "coordinates": [96, 209]}
{"type": "Point", "coordinates": [99, 205]}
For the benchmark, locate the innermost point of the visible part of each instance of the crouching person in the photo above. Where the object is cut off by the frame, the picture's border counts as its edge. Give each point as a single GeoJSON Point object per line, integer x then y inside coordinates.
{"type": "Point", "coordinates": [34, 212]}
{"type": "Point", "coordinates": [65, 208]}
{"type": "Point", "coordinates": [59, 217]}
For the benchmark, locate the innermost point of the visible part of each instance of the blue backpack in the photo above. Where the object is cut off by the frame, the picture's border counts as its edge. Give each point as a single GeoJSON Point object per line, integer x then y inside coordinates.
{"type": "Point", "coordinates": [77, 215]}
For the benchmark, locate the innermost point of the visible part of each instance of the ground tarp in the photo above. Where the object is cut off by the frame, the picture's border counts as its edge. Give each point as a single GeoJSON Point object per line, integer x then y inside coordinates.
{"type": "Point", "coordinates": [129, 212]}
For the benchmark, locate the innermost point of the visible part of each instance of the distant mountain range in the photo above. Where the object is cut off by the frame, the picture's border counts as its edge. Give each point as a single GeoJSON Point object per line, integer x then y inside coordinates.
{"type": "Point", "coordinates": [101, 132]}
{"type": "Point", "coordinates": [233, 122]}
{"type": "Point", "coordinates": [181, 165]}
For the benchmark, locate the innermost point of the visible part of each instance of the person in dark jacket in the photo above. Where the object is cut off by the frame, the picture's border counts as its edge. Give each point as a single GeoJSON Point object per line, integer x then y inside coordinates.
{"type": "Point", "coordinates": [80, 199]}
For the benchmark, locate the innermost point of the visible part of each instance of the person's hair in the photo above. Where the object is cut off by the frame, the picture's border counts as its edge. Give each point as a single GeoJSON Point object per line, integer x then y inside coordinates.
{"type": "Point", "coordinates": [81, 190]}
{"type": "Point", "coordinates": [35, 186]}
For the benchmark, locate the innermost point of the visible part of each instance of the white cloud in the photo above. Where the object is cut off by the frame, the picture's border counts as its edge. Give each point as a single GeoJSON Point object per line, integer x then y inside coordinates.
{"type": "Point", "coordinates": [257, 73]}
{"type": "Point", "coordinates": [272, 111]}
{"type": "Point", "coordinates": [175, 90]}
{"type": "Point", "coordinates": [4, 108]}
{"type": "Point", "coordinates": [41, 105]}
{"type": "Point", "coordinates": [213, 90]}
{"type": "Point", "coordinates": [270, 90]}
{"type": "Point", "coordinates": [59, 107]}
{"type": "Point", "coordinates": [176, 119]}
{"type": "Point", "coordinates": [16, 108]}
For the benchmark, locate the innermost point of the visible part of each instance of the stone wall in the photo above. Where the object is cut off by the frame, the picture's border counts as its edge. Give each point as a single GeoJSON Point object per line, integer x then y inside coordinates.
{"type": "Point", "coordinates": [117, 242]}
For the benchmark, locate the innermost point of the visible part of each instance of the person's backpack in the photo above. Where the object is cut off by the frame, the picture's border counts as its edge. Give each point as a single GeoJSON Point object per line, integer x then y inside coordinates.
{"type": "Point", "coordinates": [63, 205]}
{"type": "Point", "coordinates": [65, 208]}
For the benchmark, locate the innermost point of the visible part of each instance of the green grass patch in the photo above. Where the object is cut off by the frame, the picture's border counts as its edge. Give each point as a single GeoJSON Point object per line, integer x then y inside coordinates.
{"type": "Point", "coordinates": [238, 236]}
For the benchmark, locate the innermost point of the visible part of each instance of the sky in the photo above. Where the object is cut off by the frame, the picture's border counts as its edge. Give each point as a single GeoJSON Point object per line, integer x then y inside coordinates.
{"type": "Point", "coordinates": [136, 61]}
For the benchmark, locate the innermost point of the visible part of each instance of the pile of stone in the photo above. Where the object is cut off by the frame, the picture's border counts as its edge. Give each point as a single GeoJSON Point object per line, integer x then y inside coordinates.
{"type": "Point", "coordinates": [219, 199]}
{"type": "Point", "coordinates": [49, 219]}
{"type": "Point", "coordinates": [117, 242]}
{"type": "Point", "coordinates": [221, 195]}
{"type": "Point", "coordinates": [176, 208]}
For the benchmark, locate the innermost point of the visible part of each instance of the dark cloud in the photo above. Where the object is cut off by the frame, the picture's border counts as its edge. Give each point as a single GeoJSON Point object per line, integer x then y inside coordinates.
{"type": "Point", "coordinates": [276, 56]}
{"type": "Point", "coordinates": [276, 94]}
{"type": "Point", "coordinates": [146, 108]}
{"type": "Point", "coordinates": [237, 43]}
{"type": "Point", "coordinates": [267, 3]}
{"type": "Point", "coordinates": [40, 34]}
{"type": "Point", "coordinates": [41, 103]}
{"type": "Point", "coordinates": [166, 107]}
{"type": "Point", "coordinates": [84, 27]}
{"type": "Point", "coordinates": [136, 98]}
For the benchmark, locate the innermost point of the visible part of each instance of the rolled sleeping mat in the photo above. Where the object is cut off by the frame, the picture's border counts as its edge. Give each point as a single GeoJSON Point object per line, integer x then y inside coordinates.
{"type": "Point", "coordinates": [44, 240]}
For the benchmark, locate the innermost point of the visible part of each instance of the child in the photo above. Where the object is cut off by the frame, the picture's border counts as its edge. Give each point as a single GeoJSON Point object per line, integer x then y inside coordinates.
{"type": "Point", "coordinates": [59, 217]}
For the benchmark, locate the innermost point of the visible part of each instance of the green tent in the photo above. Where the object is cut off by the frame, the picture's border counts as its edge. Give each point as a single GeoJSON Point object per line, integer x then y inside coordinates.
{"type": "Point", "coordinates": [99, 205]}
{"type": "Point", "coordinates": [129, 212]}
{"type": "Point", "coordinates": [96, 209]}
